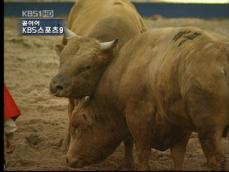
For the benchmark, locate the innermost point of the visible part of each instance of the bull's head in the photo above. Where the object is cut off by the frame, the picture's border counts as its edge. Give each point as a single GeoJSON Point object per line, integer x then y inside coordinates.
{"type": "Point", "coordinates": [82, 62]}
{"type": "Point", "coordinates": [93, 137]}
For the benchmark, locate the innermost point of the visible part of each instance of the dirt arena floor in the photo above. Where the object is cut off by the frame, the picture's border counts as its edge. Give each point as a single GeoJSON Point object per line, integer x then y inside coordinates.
{"type": "Point", "coordinates": [29, 64]}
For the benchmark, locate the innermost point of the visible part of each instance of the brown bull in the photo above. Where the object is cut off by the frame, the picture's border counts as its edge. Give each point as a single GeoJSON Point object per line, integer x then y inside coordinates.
{"type": "Point", "coordinates": [162, 85]}
{"type": "Point", "coordinates": [100, 23]}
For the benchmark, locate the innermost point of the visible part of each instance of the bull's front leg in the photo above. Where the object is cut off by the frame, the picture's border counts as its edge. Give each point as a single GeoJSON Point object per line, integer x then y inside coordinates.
{"type": "Point", "coordinates": [67, 139]}
{"type": "Point", "coordinates": [143, 154]}
{"type": "Point", "coordinates": [128, 161]}
{"type": "Point", "coordinates": [139, 120]}
{"type": "Point", "coordinates": [178, 151]}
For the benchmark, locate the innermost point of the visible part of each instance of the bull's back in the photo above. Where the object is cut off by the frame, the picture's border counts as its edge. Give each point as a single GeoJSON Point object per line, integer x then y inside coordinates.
{"type": "Point", "coordinates": [85, 14]}
{"type": "Point", "coordinates": [176, 53]}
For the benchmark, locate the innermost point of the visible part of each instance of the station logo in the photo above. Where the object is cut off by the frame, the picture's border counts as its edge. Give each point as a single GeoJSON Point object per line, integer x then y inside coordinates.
{"type": "Point", "coordinates": [40, 22]}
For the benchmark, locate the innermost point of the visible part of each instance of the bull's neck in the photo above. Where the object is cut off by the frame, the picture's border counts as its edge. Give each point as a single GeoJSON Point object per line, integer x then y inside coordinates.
{"type": "Point", "coordinates": [102, 37]}
{"type": "Point", "coordinates": [105, 30]}
{"type": "Point", "coordinates": [105, 113]}
{"type": "Point", "coordinates": [104, 101]}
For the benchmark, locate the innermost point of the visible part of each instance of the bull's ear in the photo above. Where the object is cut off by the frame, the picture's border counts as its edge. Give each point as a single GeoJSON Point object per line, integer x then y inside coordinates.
{"type": "Point", "coordinates": [104, 46]}
{"type": "Point", "coordinates": [59, 48]}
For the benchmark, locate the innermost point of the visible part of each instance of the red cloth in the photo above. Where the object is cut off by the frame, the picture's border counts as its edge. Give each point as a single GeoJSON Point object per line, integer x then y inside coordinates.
{"type": "Point", "coordinates": [10, 108]}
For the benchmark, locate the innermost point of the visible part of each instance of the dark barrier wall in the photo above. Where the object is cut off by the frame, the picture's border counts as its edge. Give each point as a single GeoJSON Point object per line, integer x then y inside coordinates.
{"type": "Point", "coordinates": [145, 9]}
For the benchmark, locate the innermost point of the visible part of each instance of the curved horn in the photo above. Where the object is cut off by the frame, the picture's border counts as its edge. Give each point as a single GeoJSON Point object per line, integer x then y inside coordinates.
{"type": "Point", "coordinates": [68, 34]}
{"type": "Point", "coordinates": [107, 45]}
{"type": "Point", "coordinates": [87, 98]}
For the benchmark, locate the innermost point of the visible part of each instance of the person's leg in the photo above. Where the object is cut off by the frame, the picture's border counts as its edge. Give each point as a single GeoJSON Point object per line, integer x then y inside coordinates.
{"type": "Point", "coordinates": [9, 129]}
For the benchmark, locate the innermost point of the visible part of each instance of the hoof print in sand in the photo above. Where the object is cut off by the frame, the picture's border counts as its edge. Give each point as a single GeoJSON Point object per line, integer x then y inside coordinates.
{"type": "Point", "coordinates": [34, 140]}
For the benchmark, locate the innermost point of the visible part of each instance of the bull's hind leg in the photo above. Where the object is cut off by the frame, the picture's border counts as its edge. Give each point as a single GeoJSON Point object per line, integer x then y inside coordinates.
{"type": "Point", "coordinates": [207, 106]}
{"type": "Point", "coordinates": [178, 151]}
{"type": "Point", "coordinates": [210, 140]}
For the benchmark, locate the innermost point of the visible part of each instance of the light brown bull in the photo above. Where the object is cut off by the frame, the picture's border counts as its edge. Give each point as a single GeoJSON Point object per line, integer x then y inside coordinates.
{"type": "Point", "coordinates": [162, 85]}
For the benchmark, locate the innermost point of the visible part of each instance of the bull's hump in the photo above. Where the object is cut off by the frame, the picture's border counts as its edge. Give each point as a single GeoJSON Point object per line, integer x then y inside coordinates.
{"type": "Point", "coordinates": [118, 3]}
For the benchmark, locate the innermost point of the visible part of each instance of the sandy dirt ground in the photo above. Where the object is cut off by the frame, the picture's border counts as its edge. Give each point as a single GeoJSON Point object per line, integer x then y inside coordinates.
{"type": "Point", "coordinates": [29, 64]}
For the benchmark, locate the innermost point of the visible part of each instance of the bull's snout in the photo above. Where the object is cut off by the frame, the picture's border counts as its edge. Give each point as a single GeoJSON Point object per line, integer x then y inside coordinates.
{"type": "Point", "coordinates": [75, 163]}
{"type": "Point", "coordinates": [60, 85]}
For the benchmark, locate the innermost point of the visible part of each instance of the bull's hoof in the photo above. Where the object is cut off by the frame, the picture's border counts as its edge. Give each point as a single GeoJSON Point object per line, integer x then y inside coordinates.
{"type": "Point", "coordinates": [217, 166]}
{"type": "Point", "coordinates": [127, 166]}
{"type": "Point", "coordinates": [141, 167]}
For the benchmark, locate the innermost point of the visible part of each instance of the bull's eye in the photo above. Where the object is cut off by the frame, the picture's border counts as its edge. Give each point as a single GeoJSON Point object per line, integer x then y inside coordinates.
{"type": "Point", "coordinates": [84, 116]}
{"type": "Point", "coordinates": [75, 125]}
{"type": "Point", "coordinates": [83, 69]}
{"type": "Point", "coordinates": [87, 67]}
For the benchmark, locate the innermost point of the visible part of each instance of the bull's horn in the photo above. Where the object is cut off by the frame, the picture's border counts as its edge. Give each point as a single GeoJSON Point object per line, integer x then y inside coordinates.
{"type": "Point", "coordinates": [86, 98]}
{"type": "Point", "coordinates": [68, 34]}
{"type": "Point", "coordinates": [107, 45]}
